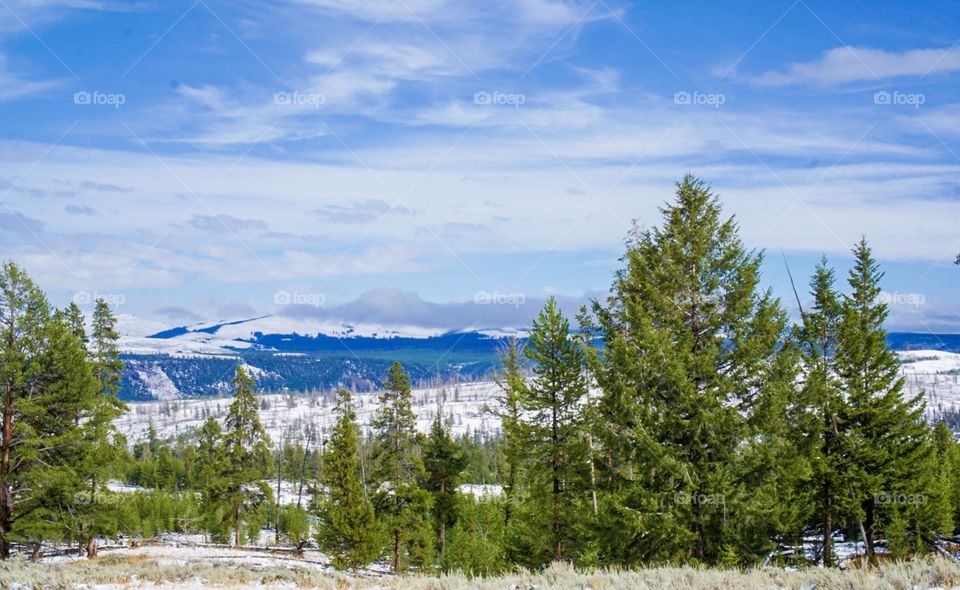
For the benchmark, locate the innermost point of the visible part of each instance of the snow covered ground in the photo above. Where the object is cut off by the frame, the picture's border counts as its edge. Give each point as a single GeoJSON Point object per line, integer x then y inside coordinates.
{"type": "Point", "coordinates": [468, 406]}
{"type": "Point", "coordinates": [936, 373]}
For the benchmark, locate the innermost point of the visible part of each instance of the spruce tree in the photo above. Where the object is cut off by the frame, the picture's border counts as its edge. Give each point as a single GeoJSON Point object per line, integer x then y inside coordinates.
{"type": "Point", "coordinates": [348, 530]}
{"type": "Point", "coordinates": [888, 443]}
{"type": "Point", "coordinates": [512, 386]}
{"type": "Point", "coordinates": [211, 468]}
{"type": "Point", "coordinates": [444, 461]}
{"type": "Point", "coordinates": [72, 316]}
{"type": "Point", "coordinates": [247, 452]}
{"type": "Point", "coordinates": [397, 468]}
{"type": "Point", "coordinates": [105, 446]}
{"type": "Point", "coordinates": [695, 377]}
{"type": "Point", "coordinates": [819, 431]}
{"type": "Point", "coordinates": [107, 366]}
{"type": "Point", "coordinates": [552, 404]}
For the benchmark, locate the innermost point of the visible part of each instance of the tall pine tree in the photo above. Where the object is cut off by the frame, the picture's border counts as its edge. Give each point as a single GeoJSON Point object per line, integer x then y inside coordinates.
{"type": "Point", "coordinates": [401, 504]}
{"type": "Point", "coordinates": [695, 380]}
{"type": "Point", "coordinates": [444, 461]}
{"type": "Point", "coordinates": [887, 441]}
{"type": "Point", "coordinates": [247, 452]}
{"type": "Point", "coordinates": [348, 530]}
{"type": "Point", "coordinates": [512, 386]}
{"type": "Point", "coordinates": [553, 405]}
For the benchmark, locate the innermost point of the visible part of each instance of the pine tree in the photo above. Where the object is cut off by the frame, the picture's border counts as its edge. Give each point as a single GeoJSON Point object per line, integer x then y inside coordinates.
{"type": "Point", "coordinates": [552, 405]}
{"type": "Point", "coordinates": [104, 339]}
{"type": "Point", "coordinates": [695, 377]}
{"type": "Point", "coordinates": [211, 469]}
{"type": "Point", "coordinates": [401, 505]}
{"type": "Point", "coordinates": [444, 461]}
{"type": "Point", "coordinates": [57, 503]}
{"type": "Point", "coordinates": [819, 432]}
{"type": "Point", "coordinates": [72, 316]}
{"type": "Point", "coordinates": [247, 452]}
{"type": "Point", "coordinates": [348, 530]}
{"type": "Point", "coordinates": [105, 446]}
{"type": "Point", "coordinates": [24, 319]}
{"type": "Point", "coordinates": [888, 443]}
{"type": "Point", "coordinates": [512, 390]}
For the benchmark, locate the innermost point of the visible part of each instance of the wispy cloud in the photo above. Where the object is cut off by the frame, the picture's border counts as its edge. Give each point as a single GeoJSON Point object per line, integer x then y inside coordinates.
{"type": "Point", "coordinates": [843, 65]}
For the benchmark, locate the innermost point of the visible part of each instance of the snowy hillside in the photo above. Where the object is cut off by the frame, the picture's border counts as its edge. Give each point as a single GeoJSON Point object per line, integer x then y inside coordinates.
{"type": "Point", "coordinates": [469, 406]}
{"type": "Point", "coordinates": [936, 373]}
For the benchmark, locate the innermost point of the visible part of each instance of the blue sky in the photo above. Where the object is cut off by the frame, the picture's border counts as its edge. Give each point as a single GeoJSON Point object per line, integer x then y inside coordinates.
{"type": "Point", "coordinates": [196, 159]}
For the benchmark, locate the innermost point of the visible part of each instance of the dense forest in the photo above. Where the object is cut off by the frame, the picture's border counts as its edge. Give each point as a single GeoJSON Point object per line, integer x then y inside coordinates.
{"type": "Point", "coordinates": [686, 420]}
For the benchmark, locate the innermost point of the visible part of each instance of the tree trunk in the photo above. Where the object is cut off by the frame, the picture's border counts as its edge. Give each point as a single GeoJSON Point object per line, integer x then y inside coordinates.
{"type": "Point", "coordinates": [5, 499]}
{"type": "Point", "coordinates": [236, 531]}
{"type": "Point", "coordinates": [827, 526]}
{"type": "Point", "coordinates": [396, 552]}
{"type": "Point", "coordinates": [867, 527]}
{"type": "Point", "coordinates": [700, 551]}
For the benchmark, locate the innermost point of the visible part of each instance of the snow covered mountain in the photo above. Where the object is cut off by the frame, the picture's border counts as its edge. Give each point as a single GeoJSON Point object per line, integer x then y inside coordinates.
{"type": "Point", "coordinates": [287, 353]}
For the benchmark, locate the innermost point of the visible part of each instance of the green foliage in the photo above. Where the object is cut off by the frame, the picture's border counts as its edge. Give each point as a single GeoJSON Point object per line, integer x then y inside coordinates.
{"type": "Point", "coordinates": [553, 429]}
{"type": "Point", "coordinates": [397, 470]}
{"type": "Point", "coordinates": [476, 543]}
{"type": "Point", "coordinates": [444, 462]}
{"type": "Point", "coordinates": [887, 442]}
{"type": "Point", "coordinates": [294, 525]}
{"type": "Point", "coordinates": [347, 527]}
{"type": "Point", "coordinates": [695, 377]}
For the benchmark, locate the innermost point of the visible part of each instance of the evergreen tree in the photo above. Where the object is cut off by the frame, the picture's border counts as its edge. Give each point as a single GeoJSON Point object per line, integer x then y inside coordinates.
{"type": "Point", "coordinates": [512, 390]}
{"type": "Point", "coordinates": [348, 530]}
{"type": "Point", "coordinates": [105, 446]}
{"type": "Point", "coordinates": [58, 502]}
{"type": "Point", "coordinates": [888, 442]}
{"type": "Point", "coordinates": [211, 468]}
{"type": "Point", "coordinates": [397, 468]}
{"type": "Point", "coordinates": [104, 339]}
{"type": "Point", "coordinates": [247, 453]}
{"type": "Point", "coordinates": [444, 461]}
{"type": "Point", "coordinates": [72, 316]}
{"type": "Point", "coordinates": [24, 325]}
{"type": "Point", "coordinates": [819, 430]}
{"type": "Point", "coordinates": [695, 377]}
{"type": "Point", "coordinates": [552, 405]}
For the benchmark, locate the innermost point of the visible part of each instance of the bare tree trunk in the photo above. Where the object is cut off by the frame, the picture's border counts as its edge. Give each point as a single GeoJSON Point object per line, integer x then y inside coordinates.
{"type": "Point", "coordinates": [5, 499]}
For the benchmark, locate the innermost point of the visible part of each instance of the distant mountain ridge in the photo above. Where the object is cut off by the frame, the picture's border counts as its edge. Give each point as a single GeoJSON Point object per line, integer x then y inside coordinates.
{"type": "Point", "coordinates": [292, 354]}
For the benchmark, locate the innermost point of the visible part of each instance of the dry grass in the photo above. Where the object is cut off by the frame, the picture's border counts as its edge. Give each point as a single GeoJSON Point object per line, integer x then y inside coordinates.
{"type": "Point", "coordinates": [134, 571]}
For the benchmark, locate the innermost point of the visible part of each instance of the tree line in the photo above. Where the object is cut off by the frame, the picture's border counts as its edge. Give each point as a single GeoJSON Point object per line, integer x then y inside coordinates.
{"type": "Point", "coordinates": [685, 420]}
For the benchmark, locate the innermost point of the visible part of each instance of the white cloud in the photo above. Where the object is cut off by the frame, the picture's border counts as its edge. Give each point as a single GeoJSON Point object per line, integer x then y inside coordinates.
{"type": "Point", "coordinates": [847, 64]}
{"type": "Point", "coordinates": [14, 86]}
